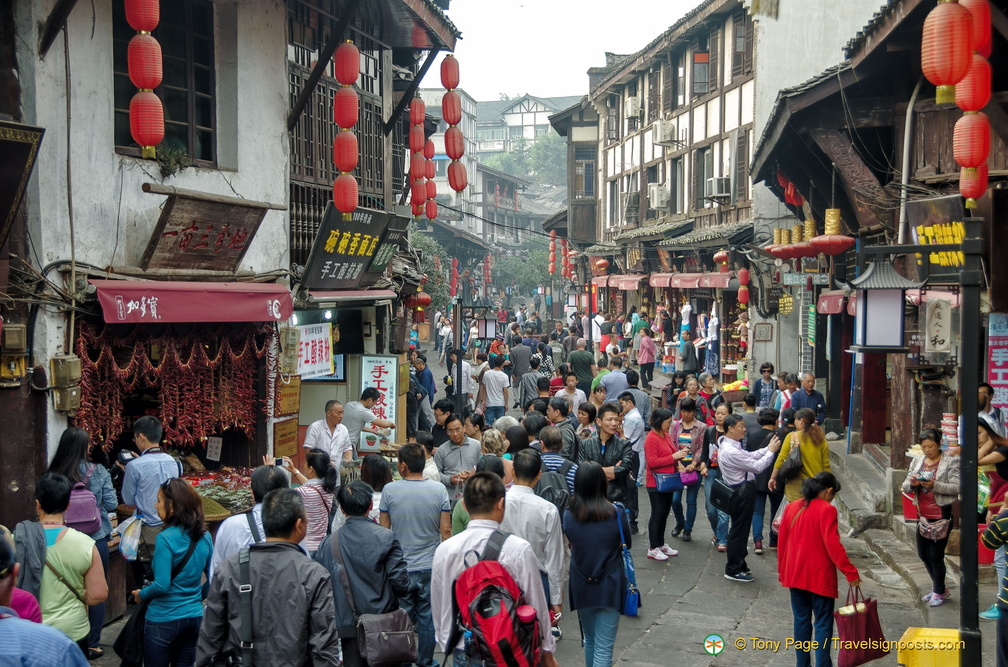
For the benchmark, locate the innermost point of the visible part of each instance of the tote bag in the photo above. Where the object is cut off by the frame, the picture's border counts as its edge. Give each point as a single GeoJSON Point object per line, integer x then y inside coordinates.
{"type": "Point", "coordinates": [632, 595]}
{"type": "Point", "coordinates": [859, 628]}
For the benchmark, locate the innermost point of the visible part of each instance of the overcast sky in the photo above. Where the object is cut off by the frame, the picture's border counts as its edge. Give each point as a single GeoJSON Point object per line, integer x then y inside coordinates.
{"type": "Point", "coordinates": [545, 47]}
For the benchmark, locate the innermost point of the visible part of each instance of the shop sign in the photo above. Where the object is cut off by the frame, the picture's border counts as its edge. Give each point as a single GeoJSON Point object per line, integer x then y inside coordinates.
{"type": "Point", "coordinates": [799, 278]}
{"type": "Point", "coordinates": [997, 357]}
{"type": "Point", "coordinates": [397, 230]}
{"type": "Point", "coordinates": [288, 397]}
{"type": "Point", "coordinates": [315, 350]}
{"type": "Point", "coordinates": [19, 145]}
{"type": "Point", "coordinates": [938, 327]}
{"type": "Point", "coordinates": [285, 437]}
{"type": "Point", "coordinates": [773, 298]}
{"type": "Point", "coordinates": [382, 373]}
{"type": "Point", "coordinates": [344, 250]}
{"type": "Point", "coordinates": [214, 446]}
{"type": "Point", "coordinates": [811, 321]}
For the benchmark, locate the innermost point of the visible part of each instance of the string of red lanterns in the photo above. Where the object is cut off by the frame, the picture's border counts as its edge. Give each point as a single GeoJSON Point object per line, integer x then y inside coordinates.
{"type": "Point", "coordinates": [453, 282]}
{"type": "Point", "coordinates": [430, 206]}
{"type": "Point", "coordinates": [418, 163]}
{"type": "Point", "coordinates": [971, 136]}
{"type": "Point", "coordinates": [565, 268]}
{"type": "Point", "coordinates": [946, 43]}
{"type": "Point", "coordinates": [743, 290]}
{"type": "Point", "coordinates": [451, 111]}
{"type": "Point", "coordinates": [144, 62]}
{"type": "Point", "coordinates": [552, 253]}
{"type": "Point", "coordinates": [346, 108]}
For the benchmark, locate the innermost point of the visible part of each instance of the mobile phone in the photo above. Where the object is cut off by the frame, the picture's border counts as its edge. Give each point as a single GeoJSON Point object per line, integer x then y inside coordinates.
{"type": "Point", "coordinates": [280, 463]}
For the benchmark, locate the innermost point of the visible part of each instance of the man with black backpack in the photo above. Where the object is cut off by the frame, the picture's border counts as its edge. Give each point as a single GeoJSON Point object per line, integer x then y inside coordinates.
{"type": "Point", "coordinates": [507, 576]}
{"type": "Point", "coordinates": [537, 520]}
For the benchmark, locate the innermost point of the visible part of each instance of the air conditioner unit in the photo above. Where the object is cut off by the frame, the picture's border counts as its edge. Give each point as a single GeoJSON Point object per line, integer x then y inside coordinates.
{"type": "Point", "coordinates": [663, 133]}
{"type": "Point", "coordinates": [658, 196]}
{"type": "Point", "coordinates": [633, 107]}
{"type": "Point", "coordinates": [290, 341]}
{"type": "Point", "coordinates": [718, 186]}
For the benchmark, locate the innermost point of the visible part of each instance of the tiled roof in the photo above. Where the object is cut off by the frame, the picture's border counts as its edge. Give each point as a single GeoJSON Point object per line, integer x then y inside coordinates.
{"type": "Point", "coordinates": [864, 33]}
{"type": "Point", "coordinates": [706, 237]}
{"type": "Point", "coordinates": [603, 249]}
{"type": "Point", "coordinates": [679, 227]}
{"type": "Point", "coordinates": [488, 112]}
{"type": "Point", "coordinates": [881, 275]}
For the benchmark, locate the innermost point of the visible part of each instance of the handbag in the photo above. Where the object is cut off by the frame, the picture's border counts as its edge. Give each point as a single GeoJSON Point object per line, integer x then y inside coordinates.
{"type": "Point", "coordinates": [792, 465]}
{"type": "Point", "coordinates": [722, 496]}
{"type": "Point", "coordinates": [668, 481]}
{"type": "Point", "coordinates": [933, 529]}
{"type": "Point", "coordinates": [382, 639]}
{"type": "Point", "coordinates": [690, 477]}
{"type": "Point", "coordinates": [632, 595]}
{"type": "Point", "coordinates": [859, 630]}
{"type": "Point", "coordinates": [129, 645]}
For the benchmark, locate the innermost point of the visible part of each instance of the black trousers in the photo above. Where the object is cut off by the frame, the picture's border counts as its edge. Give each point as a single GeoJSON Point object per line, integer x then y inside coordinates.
{"type": "Point", "coordinates": [661, 505]}
{"type": "Point", "coordinates": [738, 531]}
{"type": "Point", "coordinates": [1002, 639]}
{"type": "Point", "coordinates": [632, 500]}
{"type": "Point", "coordinates": [932, 554]}
{"type": "Point", "coordinates": [647, 374]}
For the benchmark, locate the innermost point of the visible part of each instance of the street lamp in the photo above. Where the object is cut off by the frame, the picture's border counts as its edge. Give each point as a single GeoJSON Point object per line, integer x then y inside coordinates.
{"type": "Point", "coordinates": [879, 321]}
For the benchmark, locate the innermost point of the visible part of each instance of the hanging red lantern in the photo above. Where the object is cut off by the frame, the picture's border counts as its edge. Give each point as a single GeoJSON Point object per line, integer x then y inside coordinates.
{"type": "Point", "coordinates": [946, 47]}
{"type": "Point", "coordinates": [721, 257]}
{"type": "Point", "coordinates": [143, 58]}
{"type": "Point", "coordinates": [411, 300]}
{"type": "Point", "coordinates": [973, 184]}
{"type": "Point", "coordinates": [552, 235]}
{"type": "Point", "coordinates": [417, 209]}
{"type": "Point", "coordinates": [804, 249]}
{"type": "Point", "coordinates": [449, 72]}
{"type": "Point", "coordinates": [454, 143]}
{"type": "Point", "coordinates": [417, 111]}
{"type": "Point", "coordinates": [345, 151]}
{"type": "Point", "coordinates": [743, 277]}
{"type": "Point", "coordinates": [431, 190]}
{"type": "Point", "coordinates": [418, 192]}
{"type": "Point", "coordinates": [552, 257]}
{"type": "Point", "coordinates": [346, 107]}
{"type": "Point", "coordinates": [417, 139]}
{"type": "Point", "coordinates": [347, 60]}
{"type": "Point", "coordinates": [457, 177]}
{"type": "Point", "coordinates": [430, 169]}
{"type": "Point", "coordinates": [424, 299]}
{"type": "Point", "coordinates": [451, 107]}
{"type": "Point", "coordinates": [980, 23]}
{"type": "Point", "coordinates": [552, 246]}
{"type": "Point", "coordinates": [602, 264]}
{"type": "Point", "coordinates": [428, 149]}
{"type": "Point", "coordinates": [146, 122]}
{"type": "Point", "coordinates": [776, 276]}
{"type": "Point", "coordinates": [418, 166]}
{"type": "Point", "coordinates": [345, 195]}
{"type": "Point", "coordinates": [431, 209]}
{"type": "Point", "coordinates": [808, 283]}
{"type": "Point", "coordinates": [743, 295]}
{"type": "Point", "coordinates": [974, 91]}
{"type": "Point", "coordinates": [831, 244]}
{"type": "Point", "coordinates": [143, 15]}
{"type": "Point", "coordinates": [551, 268]}
{"type": "Point", "coordinates": [971, 140]}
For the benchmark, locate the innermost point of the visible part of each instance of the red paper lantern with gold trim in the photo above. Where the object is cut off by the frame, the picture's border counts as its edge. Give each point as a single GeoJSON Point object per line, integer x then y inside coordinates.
{"type": "Point", "coordinates": [430, 170]}
{"type": "Point", "coordinates": [602, 264]}
{"type": "Point", "coordinates": [143, 58]}
{"type": "Point", "coordinates": [347, 61]}
{"type": "Point", "coordinates": [345, 195]}
{"type": "Point", "coordinates": [417, 139]}
{"type": "Point", "coordinates": [743, 295]}
{"type": "Point", "coordinates": [418, 192]}
{"type": "Point", "coordinates": [454, 143]}
{"type": "Point", "coordinates": [451, 107]}
{"type": "Point", "coordinates": [429, 150]}
{"type": "Point", "coordinates": [431, 209]}
{"type": "Point", "coordinates": [146, 120]}
{"type": "Point", "coordinates": [423, 299]}
{"type": "Point", "coordinates": [980, 24]}
{"type": "Point", "coordinates": [431, 189]}
{"type": "Point", "coordinates": [971, 140]}
{"type": "Point", "coordinates": [417, 209]}
{"type": "Point", "coordinates": [418, 166]}
{"type": "Point", "coordinates": [973, 184]}
{"type": "Point", "coordinates": [804, 249]}
{"type": "Point", "coordinates": [345, 151]}
{"type": "Point", "coordinates": [458, 179]}
{"type": "Point", "coordinates": [143, 15]}
{"type": "Point", "coordinates": [450, 72]}
{"type": "Point", "coordinates": [831, 244]}
{"type": "Point", "coordinates": [346, 107]}
{"type": "Point", "coordinates": [946, 47]}
{"type": "Point", "coordinates": [974, 91]}
{"type": "Point", "coordinates": [743, 276]}
{"type": "Point", "coordinates": [417, 111]}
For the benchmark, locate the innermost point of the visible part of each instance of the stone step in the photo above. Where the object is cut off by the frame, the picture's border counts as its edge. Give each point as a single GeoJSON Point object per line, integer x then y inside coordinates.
{"type": "Point", "coordinates": [859, 476]}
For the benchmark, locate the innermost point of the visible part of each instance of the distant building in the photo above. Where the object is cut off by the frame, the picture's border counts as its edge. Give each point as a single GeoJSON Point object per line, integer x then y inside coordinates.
{"type": "Point", "coordinates": [501, 123]}
{"type": "Point", "coordinates": [457, 208]}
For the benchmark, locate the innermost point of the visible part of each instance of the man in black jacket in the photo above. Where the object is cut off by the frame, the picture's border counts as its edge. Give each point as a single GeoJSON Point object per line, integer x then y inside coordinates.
{"type": "Point", "coordinates": [612, 452]}
{"type": "Point", "coordinates": [557, 414]}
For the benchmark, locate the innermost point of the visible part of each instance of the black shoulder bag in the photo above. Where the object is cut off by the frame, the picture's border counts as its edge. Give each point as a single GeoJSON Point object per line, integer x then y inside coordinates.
{"type": "Point", "coordinates": [243, 656]}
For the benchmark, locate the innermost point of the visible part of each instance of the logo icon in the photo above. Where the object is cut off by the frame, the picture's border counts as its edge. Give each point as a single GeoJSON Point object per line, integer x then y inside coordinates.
{"type": "Point", "coordinates": [713, 644]}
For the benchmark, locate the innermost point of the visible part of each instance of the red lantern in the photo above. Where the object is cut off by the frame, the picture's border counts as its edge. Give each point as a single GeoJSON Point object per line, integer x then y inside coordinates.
{"type": "Point", "coordinates": [143, 15]}
{"type": "Point", "coordinates": [424, 299]}
{"type": "Point", "coordinates": [428, 149]}
{"type": "Point", "coordinates": [143, 58]}
{"type": "Point", "coordinates": [454, 143]}
{"type": "Point", "coordinates": [345, 195]}
{"type": "Point", "coordinates": [743, 295]}
{"type": "Point", "coordinates": [974, 91]}
{"type": "Point", "coordinates": [418, 192]}
{"type": "Point", "coordinates": [411, 300]}
{"type": "Point", "coordinates": [602, 264]}
{"type": "Point", "coordinates": [552, 246]}
{"type": "Point", "coordinates": [552, 235]}
{"type": "Point", "coordinates": [451, 107]}
{"type": "Point", "coordinates": [431, 208]}
{"type": "Point", "coordinates": [804, 249]}
{"type": "Point", "coordinates": [347, 63]}
{"type": "Point", "coordinates": [146, 122]}
{"type": "Point", "coordinates": [721, 257]}
{"type": "Point", "coordinates": [946, 48]}
{"type": "Point", "coordinates": [551, 268]}
{"type": "Point", "coordinates": [449, 72]}
{"type": "Point", "coordinates": [431, 189]}
{"type": "Point", "coordinates": [776, 276]}
{"type": "Point", "coordinates": [346, 107]}
{"type": "Point", "coordinates": [973, 184]}
{"type": "Point", "coordinates": [831, 244]}
{"type": "Point", "coordinates": [808, 283]}
{"type": "Point", "coordinates": [417, 209]}
{"type": "Point", "coordinates": [971, 140]}
{"type": "Point", "coordinates": [417, 111]}
{"type": "Point", "coordinates": [457, 177]}
{"type": "Point", "coordinates": [430, 170]}
{"type": "Point", "coordinates": [552, 257]}
{"type": "Point", "coordinates": [418, 166]}
{"type": "Point", "coordinates": [417, 139]}
{"type": "Point", "coordinates": [743, 277]}
{"type": "Point", "coordinates": [345, 151]}
{"type": "Point", "coordinates": [980, 23]}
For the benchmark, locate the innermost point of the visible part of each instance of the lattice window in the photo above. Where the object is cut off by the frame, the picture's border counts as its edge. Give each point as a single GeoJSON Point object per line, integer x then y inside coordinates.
{"type": "Point", "coordinates": [584, 171]}
{"type": "Point", "coordinates": [307, 202]}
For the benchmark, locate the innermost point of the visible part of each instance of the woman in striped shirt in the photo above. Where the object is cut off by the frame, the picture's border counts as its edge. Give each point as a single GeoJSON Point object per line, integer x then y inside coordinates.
{"type": "Point", "coordinates": [317, 485]}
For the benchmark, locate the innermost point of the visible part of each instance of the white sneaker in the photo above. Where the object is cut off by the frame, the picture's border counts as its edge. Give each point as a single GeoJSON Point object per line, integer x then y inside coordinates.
{"type": "Point", "coordinates": [668, 551]}
{"type": "Point", "coordinates": [657, 554]}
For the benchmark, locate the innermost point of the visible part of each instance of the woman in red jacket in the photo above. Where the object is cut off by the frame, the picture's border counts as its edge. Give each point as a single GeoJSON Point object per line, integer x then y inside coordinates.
{"type": "Point", "coordinates": [809, 553]}
{"type": "Point", "coordinates": [660, 455]}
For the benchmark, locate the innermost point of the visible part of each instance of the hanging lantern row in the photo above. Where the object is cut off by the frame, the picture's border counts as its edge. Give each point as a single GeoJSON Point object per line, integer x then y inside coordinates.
{"type": "Point", "coordinates": [565, 268]}
{"type": "Point", "coordinates": [453, 281]}
{"type": "Point", "coordinates": [487, 270]}
{"type": "Point", "coordinates": [144, 62]}
{"type": "Point", "coordinates": [418, 162]}
{"type": "Point", "coordinates": [451, 111]}
{"type": "Point", "coordinates": [346, 108]}
{"type": "Point", "coordinates": [552, 253]}
{"type": "Point", "coordinates": [971, 136]}
{"type": "Point", "coordinates": [430, 187]}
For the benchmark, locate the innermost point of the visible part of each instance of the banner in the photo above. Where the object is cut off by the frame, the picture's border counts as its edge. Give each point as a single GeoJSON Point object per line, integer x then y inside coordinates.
{"type": "Point", "coordinates": [997, 357]}
{"type": "Point", "coordinates": [382, 373]}
{"type": "Point", "coordinates": [315, 350]}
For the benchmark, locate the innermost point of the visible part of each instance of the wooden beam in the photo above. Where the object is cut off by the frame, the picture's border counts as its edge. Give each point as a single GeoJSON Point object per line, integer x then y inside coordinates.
{"type": "Point", "coordinates": [408, 93]}
{"type": "Point", "coordinates": [857, 178]}
{"type": "Point", "coordinates": [56, 22]}
{"type": "Point", "coordinates": [857, 113]}
{"type": "Point", "coordinates": [998, 118]}
{"type": "Point", "coordinates": [880, 33]}
{"type": "Point", "coordinates": [320, 66]}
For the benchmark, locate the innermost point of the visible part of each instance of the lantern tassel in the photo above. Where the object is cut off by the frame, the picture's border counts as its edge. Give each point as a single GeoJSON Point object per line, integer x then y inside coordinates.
{"type": "Point", "coordinates": [971, 203]}
{"type": "Point", "coordinates": [148, 152]}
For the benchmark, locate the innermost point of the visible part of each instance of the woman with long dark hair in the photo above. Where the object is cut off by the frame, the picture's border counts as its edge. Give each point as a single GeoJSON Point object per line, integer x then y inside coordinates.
{"type": "Point", "coordinates": [72, 460]}
{"type": "Point", "coordinates": [811, 440]}
{"type": "Point", "coordinates": [318, 483]}
{"type": "Point", "coordinates": [597, 581]}
{"type": "Point", "coordinates": [810, 554]}
{"type": "Point", "coordinates": [661, 455]}
{"type": "Point", "coordinates": [710, 469]}
{"type": "Point", "coordinates": [172, 625]}
{"type": "Point", "coordinates": [376, 471]}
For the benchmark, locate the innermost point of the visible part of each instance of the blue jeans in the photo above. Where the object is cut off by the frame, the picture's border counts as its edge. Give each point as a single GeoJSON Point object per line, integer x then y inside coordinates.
{"type": "Point", "coordinates": [599, 626]}
{"type": "Point", "coordinates": [171, 642]}
{"type": "Point", "coordinates": [759, 511]}
{"type": "Point", "coordinates": [691, 496]}
{"type": "Point", "coordinates": [805, 606]}
{"type": "Point", "coordinates": [493, 413]}
{"type": "Point", "coordinates": [96, 614]}
{"type": "Point", "coordinates": [418, 606]}
{"type": "Point", "coordinates": [718, 519]}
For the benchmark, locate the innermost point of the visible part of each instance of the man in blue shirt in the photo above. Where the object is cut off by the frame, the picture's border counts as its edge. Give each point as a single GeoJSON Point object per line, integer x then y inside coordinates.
{"type": "Point", "coordinates": [808, 397]}
{"type": "Point", "coordinates": [21, 641]}
{"type": "Point", "coordinates": [425, 377]}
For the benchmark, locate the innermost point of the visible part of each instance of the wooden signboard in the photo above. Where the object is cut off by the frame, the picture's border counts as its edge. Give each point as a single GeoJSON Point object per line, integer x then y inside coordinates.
{"type": "Point", "coordinates": [202, 235]}
{"type": "Point", "coordinates": [285, 437]}
{"type": "Point", "coordinates": [344, 250]}
{"type": "Point", "coordinates": [288, 397]}
{"type": "Point", "coordinates": [19, 145]}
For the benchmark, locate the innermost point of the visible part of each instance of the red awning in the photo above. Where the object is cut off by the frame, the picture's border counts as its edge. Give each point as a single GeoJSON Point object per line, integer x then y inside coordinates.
{"type": "Point", "coordinates": [715, 280]}
{"type": "Point", "coordinates": [852, 305]}
{"type": "Point", "coordinates": [130, 301]}
{"type": "Point", "coordinates": [353, 296]}
{"type": "Point", "coordinates": [685, 280]}
{"type": "Point", "coordinates": [601, 281]}
{"type": "Point", "coordinates": [660, 279]}
{"type": "Point", "coordinates": [628, 283]}
{"type": "Point", "coordinates": [831, 302]}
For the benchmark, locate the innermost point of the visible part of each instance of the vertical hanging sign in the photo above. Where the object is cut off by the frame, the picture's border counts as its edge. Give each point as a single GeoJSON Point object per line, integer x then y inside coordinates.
{"type": "Point", "coordinates": [382, 373]}
{"type": "Point", "coordinates": [997, 357]}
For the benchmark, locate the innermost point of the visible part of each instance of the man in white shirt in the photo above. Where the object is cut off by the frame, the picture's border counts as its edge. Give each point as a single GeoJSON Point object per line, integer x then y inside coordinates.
{"type": "Point", "coordinates": [496, 384]}
{"type": "Point", "coordinates": [537, 521]}
{"type": "Point", "coordinates": [484, 499]}
{"type": "Point", "coordinates": [331, 435]}
{"type": "Point", "coordinates": [468, 383]}
{"type": "Point", "coordinates": [359, 416]}
{"type": "Point", "coordinates": [456, 459]}
{"type": "Point", "coordinates": [236, 532]}
{"type": "Point", "coordinates": [987, 411]}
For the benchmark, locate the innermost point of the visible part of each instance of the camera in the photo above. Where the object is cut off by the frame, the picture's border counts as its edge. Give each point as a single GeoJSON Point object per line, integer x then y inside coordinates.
{"type": "Point", "coordinates": [279, 462]}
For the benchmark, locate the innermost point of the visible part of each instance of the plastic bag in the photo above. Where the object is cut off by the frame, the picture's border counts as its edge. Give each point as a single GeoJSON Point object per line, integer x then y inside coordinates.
{"type": "Point", "coordinates": [130, 542]}
{"type": "Point", "coordinates": [775, 524]}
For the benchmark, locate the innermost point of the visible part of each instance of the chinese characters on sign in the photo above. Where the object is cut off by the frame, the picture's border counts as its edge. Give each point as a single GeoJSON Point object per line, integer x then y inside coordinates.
{"type": "Point", "coordinates": [143, 308]}
{"type": "Point", "coordinates": [397, 228]}
{"type": "Point", "coordinates": [315, 350]}
{"type": "Point", "coordinates": [997, 357]}
{"type": "Point", "coordinates": [938, 334]}
{"type": "Point", "coordinates": [343, 250]}
{"type": "Point", "coordinates": [382, 373]}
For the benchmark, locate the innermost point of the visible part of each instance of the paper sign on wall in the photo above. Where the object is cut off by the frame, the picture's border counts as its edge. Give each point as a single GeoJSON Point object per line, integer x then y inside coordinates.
{"type": "Point", "coordinates": [213, 448]}
{"type": "Point", "coordinates": [315, 350]}
{"type": "Point", "coordinates": [382, 373]}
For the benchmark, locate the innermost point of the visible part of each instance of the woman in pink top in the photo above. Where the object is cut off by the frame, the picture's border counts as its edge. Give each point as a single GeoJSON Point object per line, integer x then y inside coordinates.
{"type": "Point", "coordinates": [646, 358]}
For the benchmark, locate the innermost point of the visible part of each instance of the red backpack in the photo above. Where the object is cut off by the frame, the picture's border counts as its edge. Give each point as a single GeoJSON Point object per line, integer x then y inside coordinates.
{"type": "Point", "coordinates": [490, 607]}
